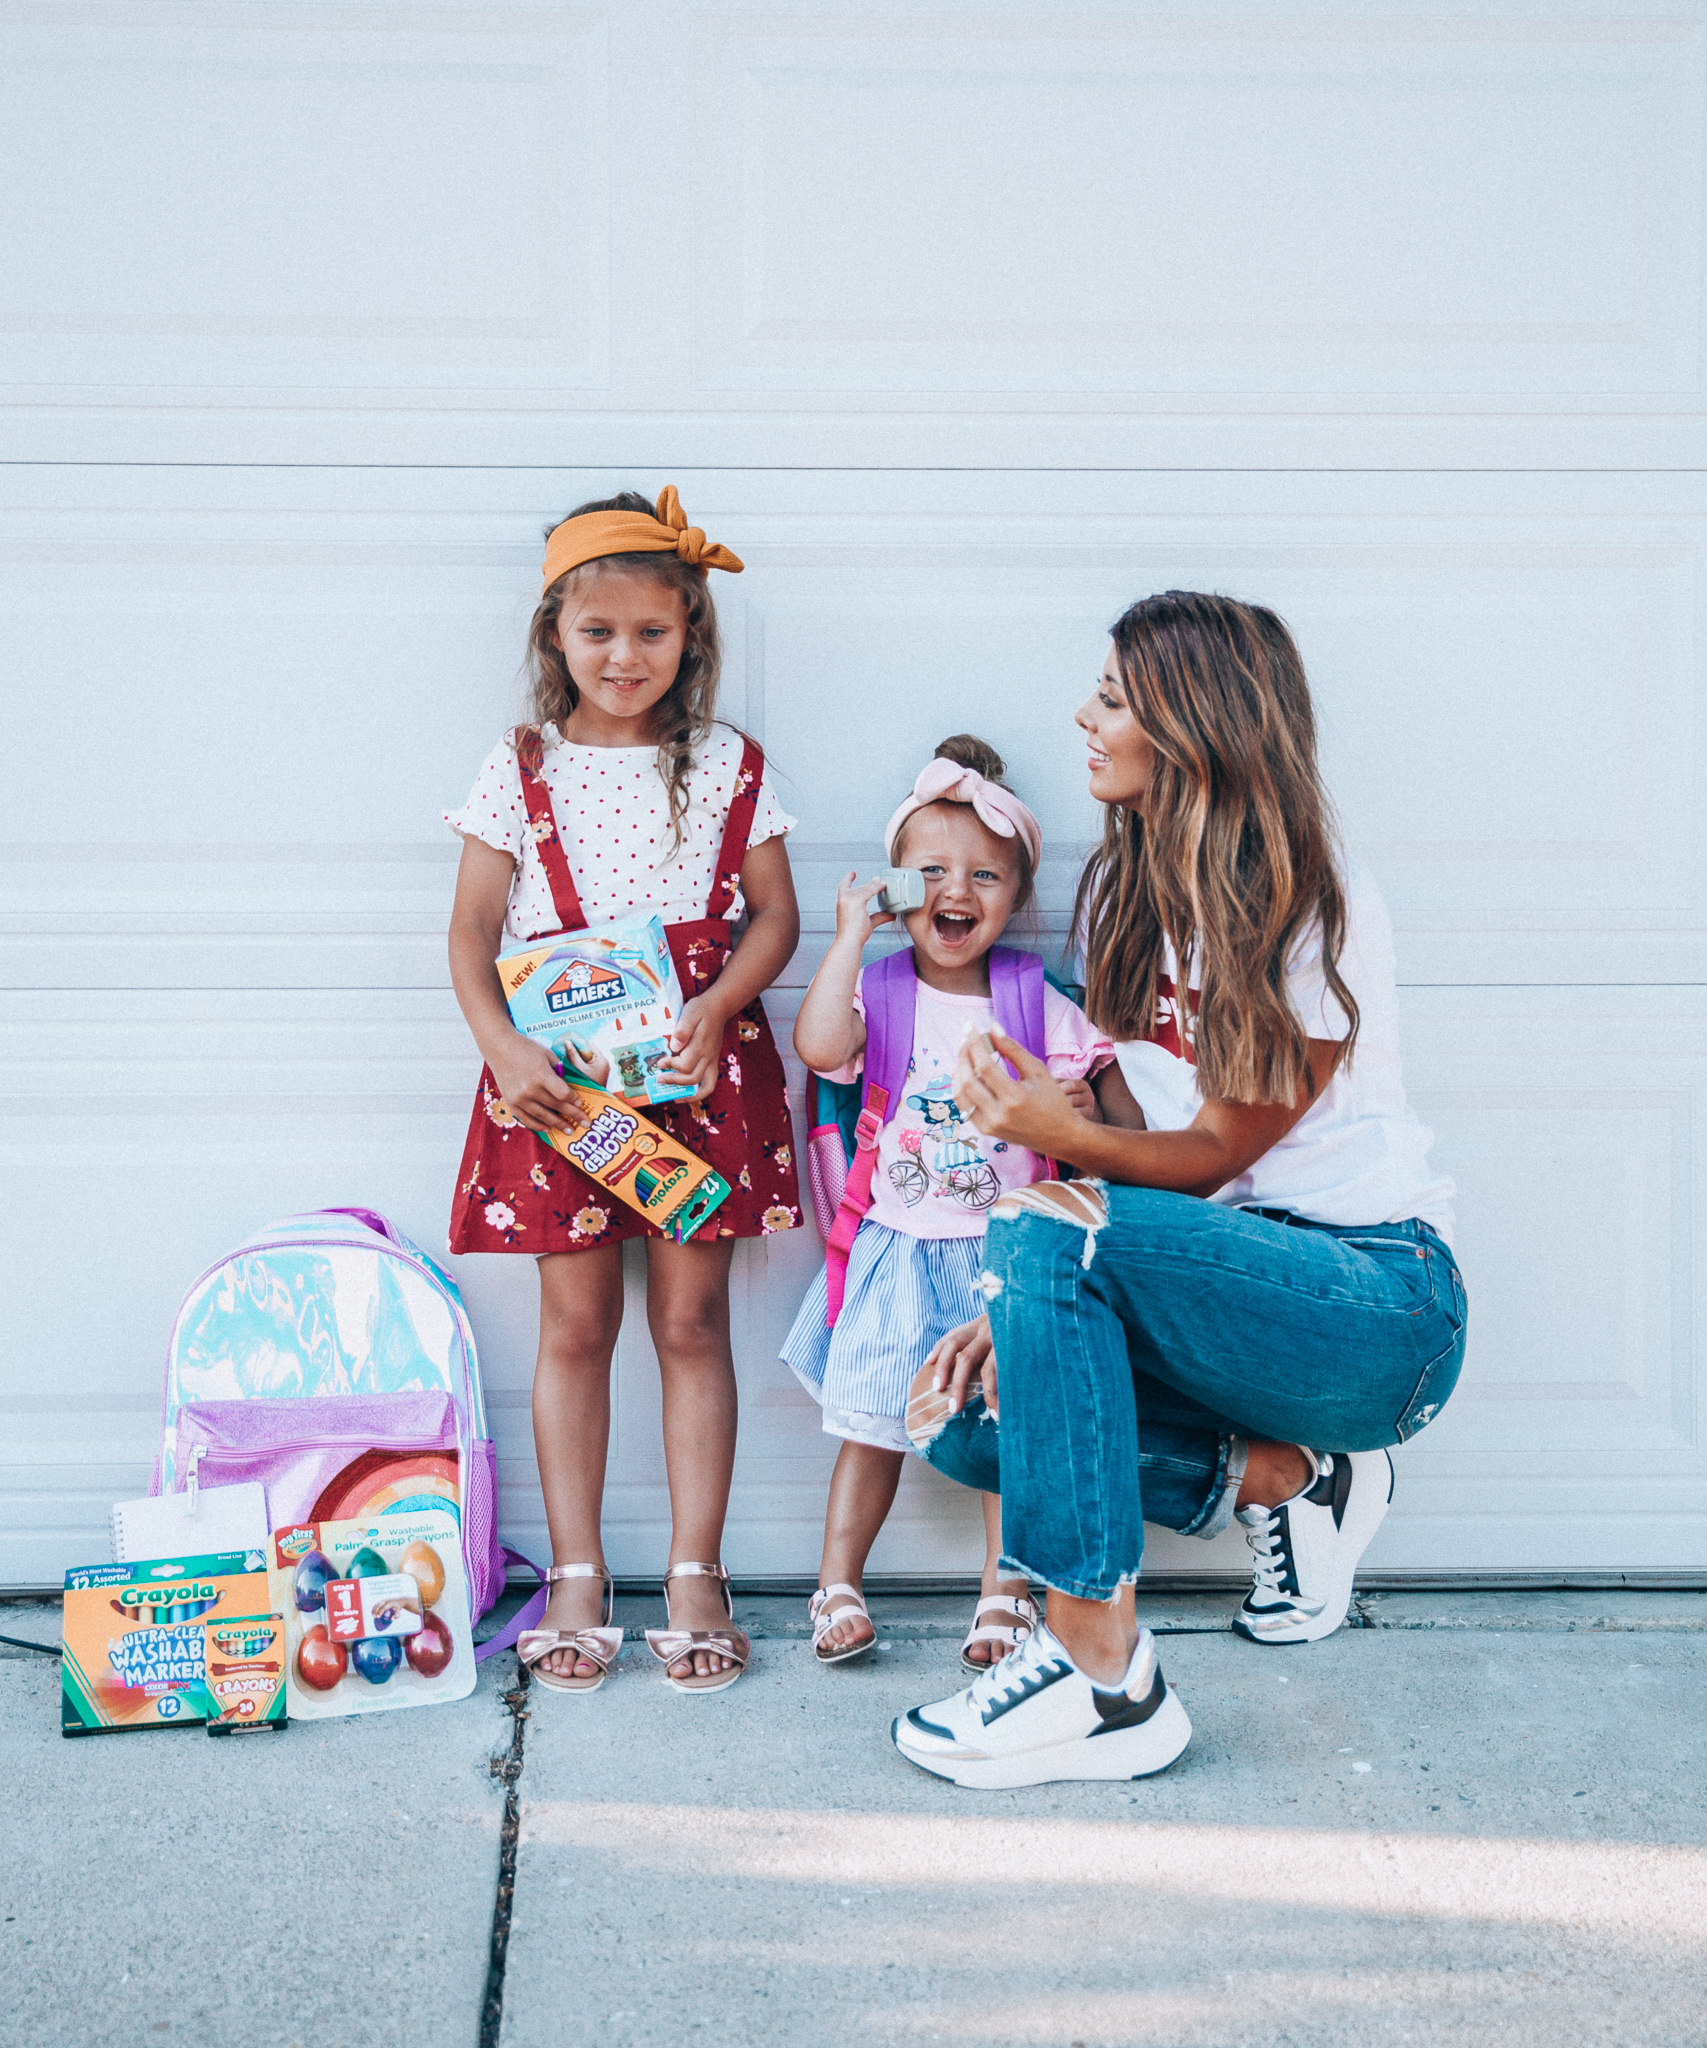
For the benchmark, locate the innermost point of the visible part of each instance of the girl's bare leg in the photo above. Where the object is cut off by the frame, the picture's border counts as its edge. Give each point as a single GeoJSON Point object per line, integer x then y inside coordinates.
{"type": "Point", "coordinates": [580, 1313]}
{"type": "Point", "coordinates": [992, 1580]}
{"type": "Point", "coordinates": [862, 1491]}
{"type": "Point", "coordinates": [687, 1307]}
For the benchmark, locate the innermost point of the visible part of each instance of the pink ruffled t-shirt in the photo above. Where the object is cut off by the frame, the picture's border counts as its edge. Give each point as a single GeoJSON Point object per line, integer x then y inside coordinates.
{"type": "Point", "coordinates": [937, 1176]}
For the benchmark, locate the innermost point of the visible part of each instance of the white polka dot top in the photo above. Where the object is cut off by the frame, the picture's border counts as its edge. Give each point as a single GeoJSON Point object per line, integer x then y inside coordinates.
{"type": "Point", "coordinates": [613, 812]}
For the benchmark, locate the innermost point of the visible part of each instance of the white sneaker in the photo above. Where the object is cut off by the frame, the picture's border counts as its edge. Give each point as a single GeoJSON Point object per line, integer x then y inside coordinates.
{"type": "Point", "coordinates": [1035, 1718]}
{"type": "Point", "coordinates": [1307, 1549]}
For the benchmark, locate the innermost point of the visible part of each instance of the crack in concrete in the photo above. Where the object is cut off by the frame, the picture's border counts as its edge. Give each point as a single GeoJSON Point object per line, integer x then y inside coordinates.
{"type": "Point", "coordinates": [507, 1769]}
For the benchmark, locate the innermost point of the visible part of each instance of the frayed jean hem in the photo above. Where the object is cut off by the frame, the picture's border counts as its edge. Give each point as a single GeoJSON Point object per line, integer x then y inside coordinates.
{"type": "Point", "coordinates": [1075, 1589]}
{"type": "Point", "coordinates": [1223, 1491]}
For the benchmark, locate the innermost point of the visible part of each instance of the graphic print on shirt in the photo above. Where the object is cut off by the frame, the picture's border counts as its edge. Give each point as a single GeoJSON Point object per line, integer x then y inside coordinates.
{"type": "Point", "coordinates": [1166, 1030]}
{"type": "Point", "coordinates": [944, 1155]}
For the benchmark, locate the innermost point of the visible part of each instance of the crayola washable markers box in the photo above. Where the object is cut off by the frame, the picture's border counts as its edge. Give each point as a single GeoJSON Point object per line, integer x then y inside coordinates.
{"type": "Point", "coordinates": [640, 1164]}
{"type": "Point", "coordinates": [612, 988]}
{"type": "Point", "coordinates": [135, 1639]}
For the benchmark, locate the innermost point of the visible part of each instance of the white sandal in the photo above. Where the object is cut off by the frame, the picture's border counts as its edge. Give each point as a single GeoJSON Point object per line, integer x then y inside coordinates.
{"type": "Point", "coordinates": [823, 1620]}
{"type": "Point", "coordinates": [1009, 1634]}
{"type": "Point", "coordinates": [599, 1646]}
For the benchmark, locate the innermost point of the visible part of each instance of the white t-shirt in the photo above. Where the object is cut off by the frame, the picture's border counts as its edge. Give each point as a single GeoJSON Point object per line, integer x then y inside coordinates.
{"type": "Point", "coordinates": [1358, 1154]}
{"type": "Point", "coordinates": [936, 1175]}
{"type": "Point", "coordinates": [613, 811]}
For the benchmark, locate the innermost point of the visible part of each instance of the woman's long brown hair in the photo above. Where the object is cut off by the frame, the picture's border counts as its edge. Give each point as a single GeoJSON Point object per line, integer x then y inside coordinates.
{"type": "Point", "coordinates": [1229, 854]}
{"type": "Point", "coordinates": [682, 719]}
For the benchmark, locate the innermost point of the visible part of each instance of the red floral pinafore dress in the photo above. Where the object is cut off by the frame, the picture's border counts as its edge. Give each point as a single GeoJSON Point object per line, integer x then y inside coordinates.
{"type": "Point", "coordinates": [514, 1194]}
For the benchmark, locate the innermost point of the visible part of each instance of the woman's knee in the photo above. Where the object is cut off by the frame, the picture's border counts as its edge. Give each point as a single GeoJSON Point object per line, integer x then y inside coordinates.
{"type": "Point", "coordinates": [1053, 1223]}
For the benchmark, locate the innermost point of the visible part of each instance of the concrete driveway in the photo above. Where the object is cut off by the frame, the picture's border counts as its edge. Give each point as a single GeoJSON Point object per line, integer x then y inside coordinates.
{"type": "Point", "coordinates": [1477, 1819]}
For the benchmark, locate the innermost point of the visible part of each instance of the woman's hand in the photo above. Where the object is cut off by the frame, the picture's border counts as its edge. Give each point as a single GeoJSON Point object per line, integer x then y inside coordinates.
{"type": "Point", "coordinates": [1082, 1096]}
{"type": "Point", "coordinates": [1034, 1111]}
{"type": "Point", "coordinates": [533, 1089]}
{"type": "Point", "coordinates": [854, 921]}
{"type": "Point", "coordinates": [962, 1359]}
{"type": "Point", "coordinates": [697, 1042]}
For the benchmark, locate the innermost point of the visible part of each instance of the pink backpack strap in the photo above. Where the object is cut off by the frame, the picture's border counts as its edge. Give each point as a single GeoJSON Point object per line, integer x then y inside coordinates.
{"type": "Point", "coordinates": [889, 991]}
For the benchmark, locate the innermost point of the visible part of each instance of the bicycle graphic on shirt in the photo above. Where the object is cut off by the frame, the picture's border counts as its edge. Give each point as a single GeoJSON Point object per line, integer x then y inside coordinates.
{"type": "Point", "coordinates": [942, 1156]}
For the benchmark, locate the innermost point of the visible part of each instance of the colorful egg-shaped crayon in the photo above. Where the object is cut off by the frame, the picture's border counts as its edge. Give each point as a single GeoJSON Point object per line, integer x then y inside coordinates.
{"type": "Point", "coordinates": [421, 1561]}
{"type": "Point", "coordinates": [320, 1662]}
{"type": "Point", "coordinates": [376, 1657]}
{"type": "Point", "coordinates": [430, 1648]}
{"type": "Point", "coordinates": [309, 1586]}
{"type": "Point", "coordinates": [368, 1564]}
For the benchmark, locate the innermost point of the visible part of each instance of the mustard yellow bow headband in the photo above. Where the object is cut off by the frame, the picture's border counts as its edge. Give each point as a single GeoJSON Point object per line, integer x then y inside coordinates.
{"type": "Point", "coordinates": [595, 534]}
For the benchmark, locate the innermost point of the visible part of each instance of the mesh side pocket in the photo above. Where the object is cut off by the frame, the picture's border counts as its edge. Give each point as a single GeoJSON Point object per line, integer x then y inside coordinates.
{"type": "Point", "coordinates": [480, 1550]}
{"type": "Point", "coordinates": [826, 1173]}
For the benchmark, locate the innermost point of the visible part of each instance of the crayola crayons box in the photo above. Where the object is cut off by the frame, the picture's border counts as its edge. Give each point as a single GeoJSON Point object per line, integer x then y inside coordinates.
{"type": "Point", "coordinates": [245, 1665]}
{"type": "Point", "coordinates": [640, 1164]}
{"type": "Point", "coordinates": [610, 991]}
{"type": "Point", "coordinates": [136, 1639]}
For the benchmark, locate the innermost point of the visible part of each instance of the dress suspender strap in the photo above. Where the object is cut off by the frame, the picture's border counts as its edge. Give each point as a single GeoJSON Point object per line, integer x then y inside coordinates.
{"type": "Point", "coordinates": [737, 830]}
{"type": "Point", "coordinates": [548, 841]}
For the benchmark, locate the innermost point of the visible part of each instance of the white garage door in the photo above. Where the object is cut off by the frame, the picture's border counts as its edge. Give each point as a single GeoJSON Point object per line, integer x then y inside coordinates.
{"type": "Point", "coordinates": [964, 326]}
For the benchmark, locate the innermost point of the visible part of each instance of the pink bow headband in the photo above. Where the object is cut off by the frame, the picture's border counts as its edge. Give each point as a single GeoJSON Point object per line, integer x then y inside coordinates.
{"type": "Point", "coordinates": [947, 782]}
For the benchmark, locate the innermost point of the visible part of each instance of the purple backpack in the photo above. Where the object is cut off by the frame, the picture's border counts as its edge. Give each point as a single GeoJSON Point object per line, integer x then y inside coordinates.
{"type": "Point", "coordinates": [840, 1170]}
{"type": "Point", "coordinates": [330, 1338]}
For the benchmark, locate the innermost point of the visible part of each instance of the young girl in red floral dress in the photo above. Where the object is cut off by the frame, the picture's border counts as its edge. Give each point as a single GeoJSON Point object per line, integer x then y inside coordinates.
{"type": "Point", "coordinates": [626, 797]}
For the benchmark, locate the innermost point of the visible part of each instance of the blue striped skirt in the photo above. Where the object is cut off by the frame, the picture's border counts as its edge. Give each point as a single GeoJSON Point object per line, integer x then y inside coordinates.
{"type": "Point", "coordinates": [902, 1294]}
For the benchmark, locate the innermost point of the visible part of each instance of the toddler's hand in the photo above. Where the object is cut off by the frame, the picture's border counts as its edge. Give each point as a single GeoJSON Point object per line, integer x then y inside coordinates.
{"type": "Point", "coordinates": [854, 921]}
{"type": "Point", "coordinates": [1083, 1098]}
{"type": "Point", "coordinates": [696, 1039]}
{"type": "Point", "coordinates": [534, 1091]}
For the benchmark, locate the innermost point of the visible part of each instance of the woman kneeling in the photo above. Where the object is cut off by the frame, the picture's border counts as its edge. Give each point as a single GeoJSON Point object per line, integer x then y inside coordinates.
{"type": "Point", "coordinates": [1251, 1293]}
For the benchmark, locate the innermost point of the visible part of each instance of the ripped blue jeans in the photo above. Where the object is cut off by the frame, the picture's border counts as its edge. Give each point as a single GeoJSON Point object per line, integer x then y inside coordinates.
{"type": "Point", "coordinates": [1142, 1340]}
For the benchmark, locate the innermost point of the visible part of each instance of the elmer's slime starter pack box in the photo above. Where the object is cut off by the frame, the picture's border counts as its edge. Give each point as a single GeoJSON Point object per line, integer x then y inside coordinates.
{"type": "Point", "coordinates": [175, 1643]}
{"type": "Point", "coordinates": [613, 988]}
{"type": "Point", "coordinates": [376, 1613]}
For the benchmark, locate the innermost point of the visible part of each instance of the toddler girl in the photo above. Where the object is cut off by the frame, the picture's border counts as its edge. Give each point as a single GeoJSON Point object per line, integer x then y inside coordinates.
{"type": "Point", "coordinates": [626, 797]}
{"type": "Point", "coordinates": [913, 1266]}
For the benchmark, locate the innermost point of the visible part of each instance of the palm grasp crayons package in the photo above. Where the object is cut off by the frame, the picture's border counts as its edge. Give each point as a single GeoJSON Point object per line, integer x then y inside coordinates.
{"type": "Point", "coordinates": [171, 1643]}
{"type": "Point", "coordinates": [375, 1613]}
{"type": "Point", "coordinates": [611, 988]}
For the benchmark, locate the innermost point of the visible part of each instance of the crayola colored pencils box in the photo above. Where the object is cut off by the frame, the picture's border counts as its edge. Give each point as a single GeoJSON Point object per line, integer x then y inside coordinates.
{"type": "Point", "coordinates": [639, 1164]}
{"type": "Point", "coordinates": [135, 1638]}
{"type": "Point", "coordinates": [611, 990]}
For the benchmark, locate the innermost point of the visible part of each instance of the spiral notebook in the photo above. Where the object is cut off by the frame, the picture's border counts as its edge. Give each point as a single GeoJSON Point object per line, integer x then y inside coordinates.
{"type": "Point", "coordinates": [226, 1518]}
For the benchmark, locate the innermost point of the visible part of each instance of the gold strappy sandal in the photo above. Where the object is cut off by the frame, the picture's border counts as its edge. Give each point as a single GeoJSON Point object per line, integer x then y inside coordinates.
{"type": "Point", "coordinates": [598, 1645]}
{"type": "Point", "coordinates": [671, 1645]}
